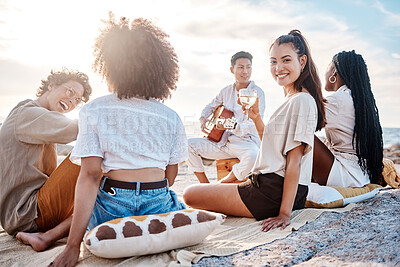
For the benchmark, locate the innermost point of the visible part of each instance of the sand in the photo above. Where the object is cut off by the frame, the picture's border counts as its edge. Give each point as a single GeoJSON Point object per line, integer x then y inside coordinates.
{"type": "Point", "coordinates": [368, 235]}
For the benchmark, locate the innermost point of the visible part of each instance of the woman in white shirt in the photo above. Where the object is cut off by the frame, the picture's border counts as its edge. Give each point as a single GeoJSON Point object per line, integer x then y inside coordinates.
{"type": "Point", "coordinates": [352, 156]}
{"type": "Point", "coordinates": [282, 171]}
{"type": "Point", "coordinates": [129, 136]}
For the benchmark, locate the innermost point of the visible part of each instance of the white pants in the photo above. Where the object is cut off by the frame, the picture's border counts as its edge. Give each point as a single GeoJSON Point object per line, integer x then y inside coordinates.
{"type": "Point", "coordinates": [245, 149]}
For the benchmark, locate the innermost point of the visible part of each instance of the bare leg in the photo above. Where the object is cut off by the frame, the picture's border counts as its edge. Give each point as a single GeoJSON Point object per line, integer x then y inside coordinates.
{"type": "Point", "coordinates": [222, 198]}
{"type": "Point", "coordinates": [323, 161]}
{"type": "Point", "coordinates": [41, 241]}
{"type": "Point", "coordinates": [202, 177]}
{"type": "Point", "coordinates": [230, 178]}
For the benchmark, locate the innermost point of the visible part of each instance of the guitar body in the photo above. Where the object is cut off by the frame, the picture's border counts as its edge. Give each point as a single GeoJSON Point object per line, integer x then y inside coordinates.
{"type": "Point", "coordinates": [211, 130]}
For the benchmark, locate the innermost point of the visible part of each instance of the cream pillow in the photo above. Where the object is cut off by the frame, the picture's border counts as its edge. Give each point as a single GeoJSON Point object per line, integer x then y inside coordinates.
{"type": "Point", "coordinates": [333, 197]}
{"type": "Point", "coordinates": [149, 234]}
{"type": "Point", "coordinates": [390, 174]}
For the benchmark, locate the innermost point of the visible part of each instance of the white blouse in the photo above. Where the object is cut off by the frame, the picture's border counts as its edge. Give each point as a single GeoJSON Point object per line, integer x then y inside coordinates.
{"type": "Point", "coordinates": [130, 134]}
{"type": "Point", "coordinates": [339, 129]}
{"type": "Point", "coordinates": [340, 120]}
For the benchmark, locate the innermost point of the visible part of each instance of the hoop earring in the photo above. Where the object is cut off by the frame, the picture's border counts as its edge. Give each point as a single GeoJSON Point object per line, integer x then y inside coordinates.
{"type": "Point", "coordinates": [332, 76]}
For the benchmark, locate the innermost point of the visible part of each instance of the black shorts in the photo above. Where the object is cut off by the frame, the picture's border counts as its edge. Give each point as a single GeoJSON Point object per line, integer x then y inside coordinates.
{"type": "Point", "coordinates": [262, 195]}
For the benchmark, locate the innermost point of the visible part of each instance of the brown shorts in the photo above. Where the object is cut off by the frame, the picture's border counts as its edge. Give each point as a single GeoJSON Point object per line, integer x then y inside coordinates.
{"type": "Point", "coordinates": [56, 197]}
{"type": "Point", "coordinates": [262, 195]}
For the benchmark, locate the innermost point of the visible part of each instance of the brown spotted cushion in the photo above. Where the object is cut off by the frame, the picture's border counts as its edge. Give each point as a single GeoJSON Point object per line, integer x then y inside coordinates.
{"type": "Point", "coordinates": [149, 234]}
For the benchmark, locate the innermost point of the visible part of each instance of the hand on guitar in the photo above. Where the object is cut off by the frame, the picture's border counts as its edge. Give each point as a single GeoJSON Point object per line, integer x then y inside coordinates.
{"type": "Point", "coordinates": [219, 126]}
{"type": "Point", "coordinates": [215, 125]}
{"type": "Point", "coordinates": [203, 122]}
{"type": "Point", "coordinates": [253, 111]}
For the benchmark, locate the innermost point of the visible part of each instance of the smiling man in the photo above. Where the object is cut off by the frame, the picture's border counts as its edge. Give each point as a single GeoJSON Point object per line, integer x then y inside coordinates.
{"type": "Point", "coordinates": [243, 141]}
{"type": "Point", "coordinates": [35, 196]}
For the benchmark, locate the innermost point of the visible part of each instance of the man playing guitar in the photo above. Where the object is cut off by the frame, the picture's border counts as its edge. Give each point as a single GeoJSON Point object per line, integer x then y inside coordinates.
{"type": "Point", "coordinates": [242, 142]}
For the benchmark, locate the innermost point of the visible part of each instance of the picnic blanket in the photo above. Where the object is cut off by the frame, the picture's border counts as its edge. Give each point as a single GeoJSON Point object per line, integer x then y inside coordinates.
{"type": "Point", "coordinates": [234, 235]}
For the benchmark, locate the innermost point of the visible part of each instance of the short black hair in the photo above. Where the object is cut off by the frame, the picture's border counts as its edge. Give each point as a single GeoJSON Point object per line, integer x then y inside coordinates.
{"type": "Point", "coordinates": [241, 54]}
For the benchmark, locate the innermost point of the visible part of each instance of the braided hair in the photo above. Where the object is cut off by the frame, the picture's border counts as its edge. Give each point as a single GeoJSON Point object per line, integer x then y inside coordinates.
{"type": "Point", "coordinates": [367, 134]}
{"type": "Point", "coordinates": [308, 78]}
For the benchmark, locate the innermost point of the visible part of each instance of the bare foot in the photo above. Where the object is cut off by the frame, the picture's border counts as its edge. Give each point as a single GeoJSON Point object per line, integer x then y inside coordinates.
{"type": "Point", "coordinates": [230, 178]}
{"type": "Point", "coordinates": [36, 240]}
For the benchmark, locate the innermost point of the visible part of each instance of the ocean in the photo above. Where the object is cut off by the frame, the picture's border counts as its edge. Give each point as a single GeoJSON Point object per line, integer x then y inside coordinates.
{"type": "Point", "coordinates": [391, 136]}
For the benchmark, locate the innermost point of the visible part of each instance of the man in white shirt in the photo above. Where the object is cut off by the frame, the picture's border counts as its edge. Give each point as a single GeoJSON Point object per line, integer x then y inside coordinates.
{"type": "Point", "coordinates": [243, 141]}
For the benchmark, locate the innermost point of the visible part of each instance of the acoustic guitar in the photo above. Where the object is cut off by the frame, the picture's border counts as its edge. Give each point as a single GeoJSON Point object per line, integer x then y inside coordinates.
{"type": "Point", "coordinates": [221, 116]}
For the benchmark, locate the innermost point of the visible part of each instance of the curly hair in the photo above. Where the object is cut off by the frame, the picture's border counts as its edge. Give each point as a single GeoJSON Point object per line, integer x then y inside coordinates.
{"type": "Point", "coordinates": [136, 59]}
{"type": "Point", "coordinates": [308, 78]}
{"type": "Point", "coordinates": [63, 76]}
{"type": "Point", "coordinates": [367, 135]}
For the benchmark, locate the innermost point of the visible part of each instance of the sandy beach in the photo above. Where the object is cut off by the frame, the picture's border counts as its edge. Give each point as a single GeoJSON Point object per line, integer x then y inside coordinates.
{"type": "Point", "coordinates": [367, 235]}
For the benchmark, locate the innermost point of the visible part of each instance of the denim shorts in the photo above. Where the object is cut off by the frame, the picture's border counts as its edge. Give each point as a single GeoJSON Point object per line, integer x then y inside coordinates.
{"type": "Point", "coordinates": [128, 202]}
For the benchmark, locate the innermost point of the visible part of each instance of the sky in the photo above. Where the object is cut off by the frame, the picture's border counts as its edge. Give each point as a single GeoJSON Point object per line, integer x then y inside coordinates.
{"type": "Point", "coordinates": [38, 36]}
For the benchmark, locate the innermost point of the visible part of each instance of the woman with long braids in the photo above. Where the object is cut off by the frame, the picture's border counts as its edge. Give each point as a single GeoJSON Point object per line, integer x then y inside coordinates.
{"type": "Point", "coordinates": [352, 156]}
{"type": "Point", "coordinates": [282, 171]}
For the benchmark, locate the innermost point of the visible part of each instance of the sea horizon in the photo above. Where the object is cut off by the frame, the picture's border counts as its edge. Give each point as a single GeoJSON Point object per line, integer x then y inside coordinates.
{"type": "Point", "coordinates": [391, 135]}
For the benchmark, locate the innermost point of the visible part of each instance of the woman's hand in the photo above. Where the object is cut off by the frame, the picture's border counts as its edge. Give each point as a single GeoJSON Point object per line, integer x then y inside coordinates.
{"type": "Point", "coordinates": [274, 222]}
{"type": "Point", "coordinates": [253, 111]}
{"type": "Point", "coordinates": [69, 257]}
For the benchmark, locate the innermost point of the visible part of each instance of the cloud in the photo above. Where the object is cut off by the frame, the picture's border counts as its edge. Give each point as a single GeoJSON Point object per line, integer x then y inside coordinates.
{"type": "Point", "coordinates": [396, 56]}
{"type": "Point", "coordinates": [225, 22]}
{"type": "Point", "coordinates": [20, 79]}
{"type": "Point", "coordinates": [17, 82]}
{"type": "Point", "coordinates": [3, 4]}
{"type": "Point", "coordinates": [224, 30]}
{"type": "Point", "coordinates": [392, 19]}
{"type": "Point", "coordinates": [205, 34]}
